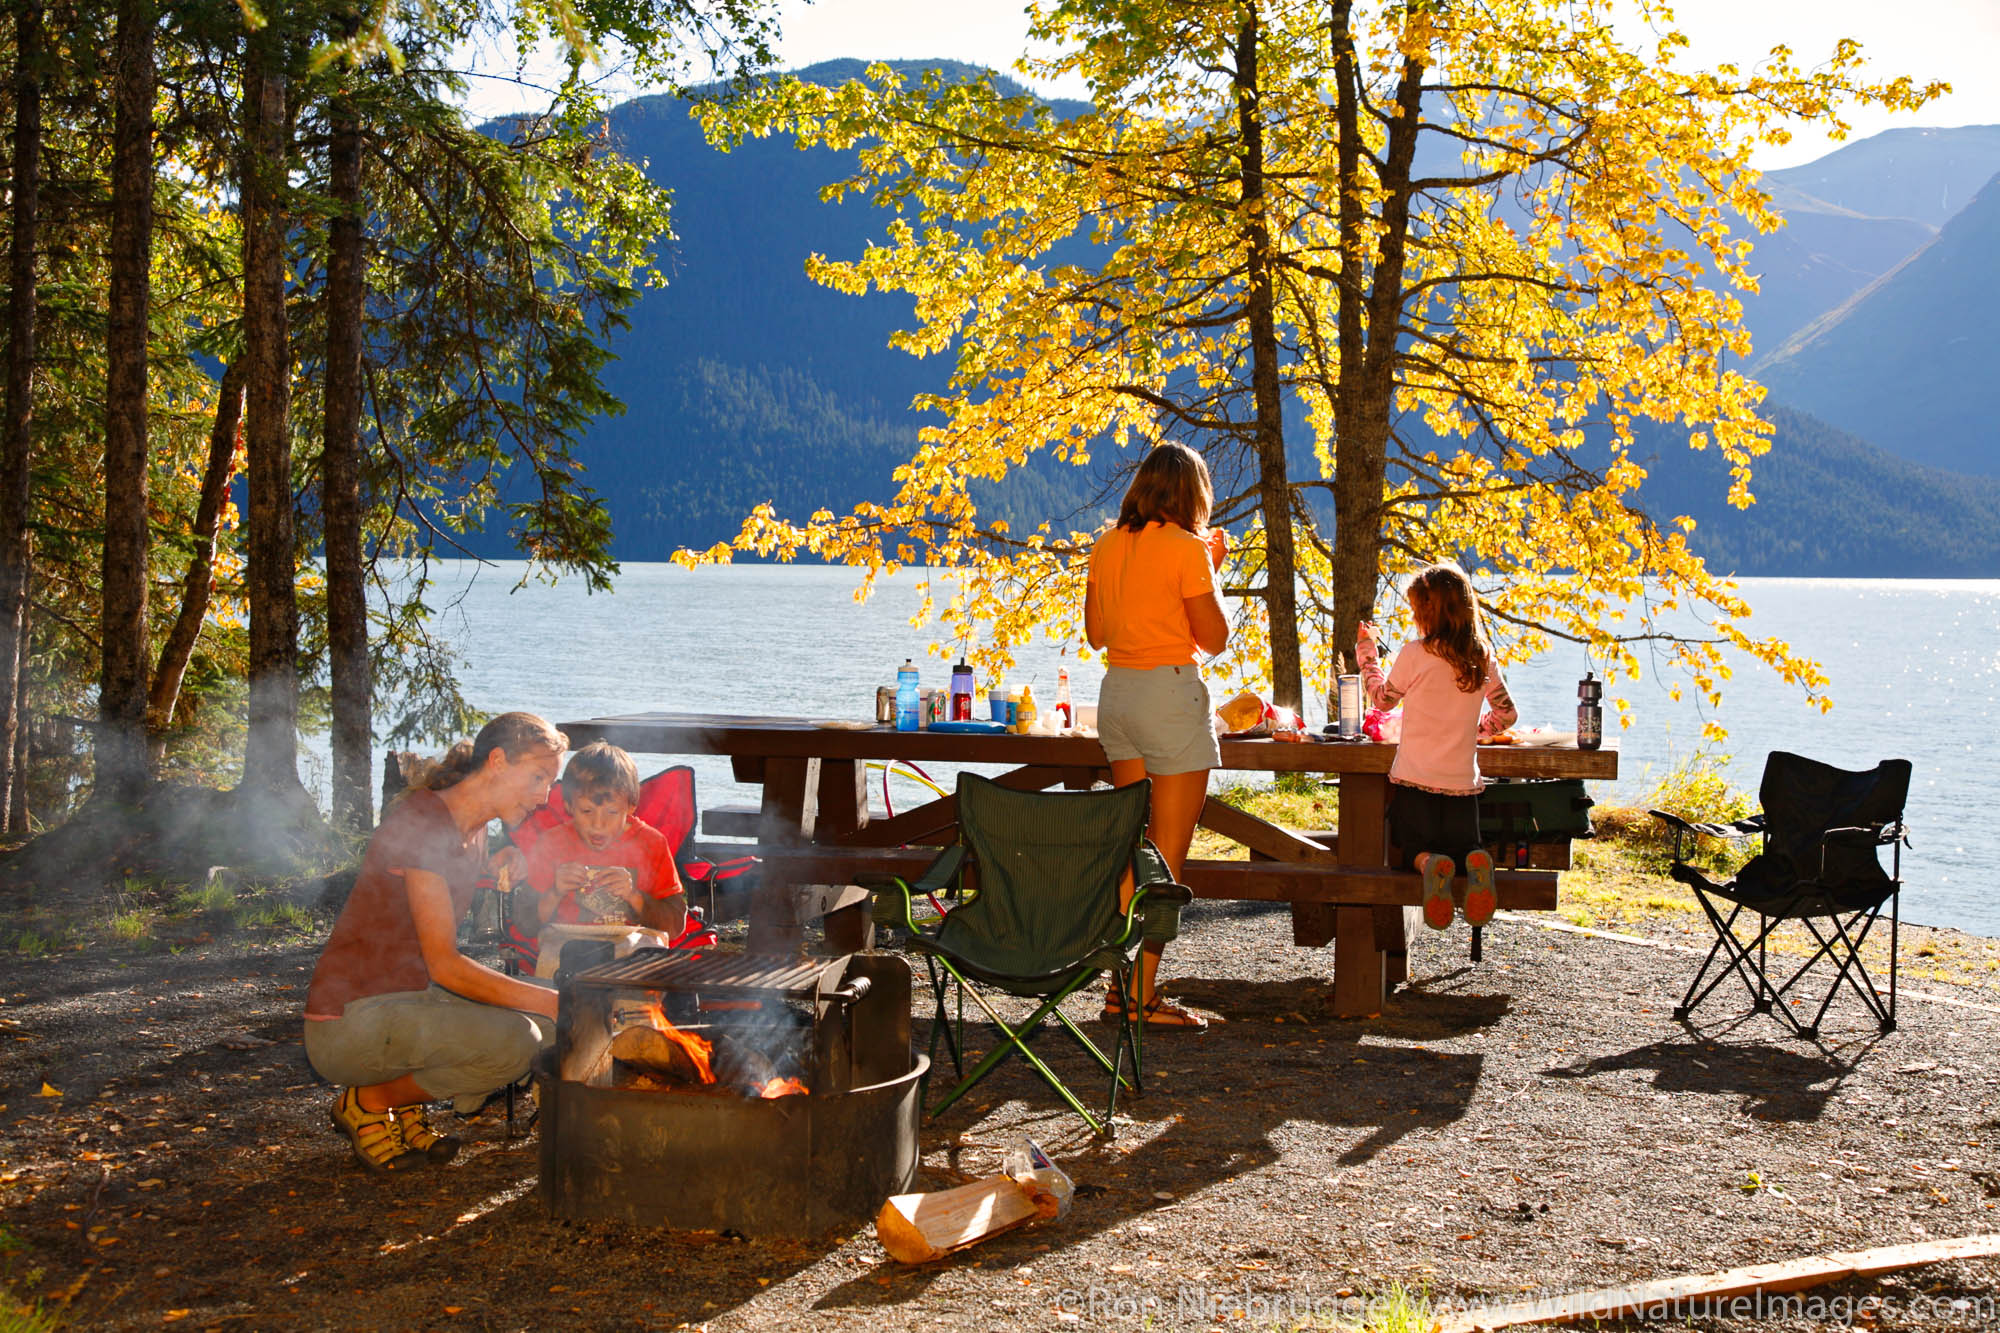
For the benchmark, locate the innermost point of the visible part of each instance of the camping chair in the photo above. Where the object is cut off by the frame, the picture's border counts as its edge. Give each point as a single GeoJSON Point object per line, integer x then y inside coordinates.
{"type": "Point", "coordinates": [1037, 875]}
{"type": "Point", "coordinates": [1816, 865]}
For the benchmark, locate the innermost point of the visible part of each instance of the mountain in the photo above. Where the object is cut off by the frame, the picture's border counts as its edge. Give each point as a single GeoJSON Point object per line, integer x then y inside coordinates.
{"type": "Point", "coordinates": [1855, 214]}
{"type": "Point", "coordinates": [1909, 363]}
{"type": "Point", "coordinates": [1924, 174]}
{"type": "Point", "coordinates": [746, 382]}
{"type": "Point", "coordinates": [1828, 505]}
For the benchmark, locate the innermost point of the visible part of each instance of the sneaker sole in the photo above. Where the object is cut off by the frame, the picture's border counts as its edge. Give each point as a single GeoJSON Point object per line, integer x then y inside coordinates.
{"type": "Point", "coordinates": [1438, 905]}
{"type": "Point", "coordinates": [1481, 901]}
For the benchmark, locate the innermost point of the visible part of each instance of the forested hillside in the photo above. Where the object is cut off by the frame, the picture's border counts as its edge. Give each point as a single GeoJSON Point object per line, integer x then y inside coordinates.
{"type": "Point", "coordinates": [745, 382]}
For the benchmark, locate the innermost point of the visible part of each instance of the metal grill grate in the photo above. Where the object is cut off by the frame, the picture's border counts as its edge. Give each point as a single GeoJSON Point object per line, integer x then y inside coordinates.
{"type": "Point", "coordinates": [658, 969]}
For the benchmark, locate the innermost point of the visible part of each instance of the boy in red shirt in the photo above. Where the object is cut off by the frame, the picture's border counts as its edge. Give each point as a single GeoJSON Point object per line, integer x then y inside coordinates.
{"type": "Point", "coordinates": [602, 865]}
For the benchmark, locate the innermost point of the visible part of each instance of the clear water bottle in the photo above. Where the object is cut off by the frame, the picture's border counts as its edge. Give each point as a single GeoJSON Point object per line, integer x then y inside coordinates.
{"type": "Point", "coordinates": [1065, 710]}
{"type": "Point", "coordinates": [907, 699]}
{"type": "Point", "coordinates": [1589, 712]}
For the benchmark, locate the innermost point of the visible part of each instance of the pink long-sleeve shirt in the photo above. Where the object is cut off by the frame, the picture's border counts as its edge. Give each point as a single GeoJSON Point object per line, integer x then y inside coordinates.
{"type": "Point", "coordinates": [1441, 722]}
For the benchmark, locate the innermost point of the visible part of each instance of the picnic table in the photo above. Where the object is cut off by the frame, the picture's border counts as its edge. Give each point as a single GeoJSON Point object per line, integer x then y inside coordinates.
{"type": "Point", "coordinates": [816, 832]}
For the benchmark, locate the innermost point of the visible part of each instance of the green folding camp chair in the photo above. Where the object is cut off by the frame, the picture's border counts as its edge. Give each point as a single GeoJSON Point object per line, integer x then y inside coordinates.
{"type": "Point", "coordinates": [1037, 877]}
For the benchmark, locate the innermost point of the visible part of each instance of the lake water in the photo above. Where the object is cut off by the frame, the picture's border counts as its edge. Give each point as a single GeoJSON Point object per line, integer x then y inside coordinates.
{"type": "Point", "coordinates": [1915, 668]}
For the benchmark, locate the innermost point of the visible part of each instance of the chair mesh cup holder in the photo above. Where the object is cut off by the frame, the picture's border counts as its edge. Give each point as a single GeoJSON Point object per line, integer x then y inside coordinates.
{"type": "Point", "coordinates": [1816, 864]}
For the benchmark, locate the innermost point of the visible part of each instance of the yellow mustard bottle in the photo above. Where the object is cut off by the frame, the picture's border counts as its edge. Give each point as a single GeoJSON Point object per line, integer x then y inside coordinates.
{"type": "Point", "coordinates": [1024, 720]}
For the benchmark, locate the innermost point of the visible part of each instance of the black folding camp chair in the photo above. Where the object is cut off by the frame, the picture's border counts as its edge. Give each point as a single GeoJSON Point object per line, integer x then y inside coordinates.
{"type": "Point", "coordinates": [1817, 865]}
{"type": "Point", "coordinates": [1037, 876]}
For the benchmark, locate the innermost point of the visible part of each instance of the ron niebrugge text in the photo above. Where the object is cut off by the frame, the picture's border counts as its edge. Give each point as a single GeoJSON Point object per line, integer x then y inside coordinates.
{"type": "Point", "coordinates": [1205, 1305]}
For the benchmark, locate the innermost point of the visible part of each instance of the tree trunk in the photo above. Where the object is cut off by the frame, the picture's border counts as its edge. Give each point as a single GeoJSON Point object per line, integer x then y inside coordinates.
{"type": "Point", "coordinates": [340, 480]}
{"type": "Point", "coordinates": [1274, 485]}
{"type": "Point", "coordinates": [17, 431]}
{"type": "Point", "coordinates": [200, 578]}
{"type": "Point", "coordinates": [270, 761]}
{"type": "Point", "coordinates": [1370, 314]}
{"type": "Point", "coordinates": [123, 761]}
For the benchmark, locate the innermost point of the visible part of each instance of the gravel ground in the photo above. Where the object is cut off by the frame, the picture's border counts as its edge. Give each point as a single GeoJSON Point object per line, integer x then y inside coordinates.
{"type": "Point", "coordinates": [1533, 1123]}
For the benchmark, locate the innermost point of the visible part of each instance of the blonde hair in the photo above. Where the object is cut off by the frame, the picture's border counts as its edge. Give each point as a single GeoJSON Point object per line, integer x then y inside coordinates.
{"type": "Point", "coordinates": [1171, 486]}
{"type": "Point", "coordinates": [516, 735]}
{"type": "Point", "coordinates": [1447, 615]}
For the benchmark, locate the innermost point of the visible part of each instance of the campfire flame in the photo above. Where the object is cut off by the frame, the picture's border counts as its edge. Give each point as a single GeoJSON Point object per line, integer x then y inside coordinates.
{"type": "Point", "coordinates": [783, 1087]}
{"type": "Point", "coordinates": [697, 1049]}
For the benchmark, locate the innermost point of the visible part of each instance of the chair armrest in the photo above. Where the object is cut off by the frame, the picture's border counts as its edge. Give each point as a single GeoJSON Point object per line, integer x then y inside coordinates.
{"type": "Point", "coordinates": [1685, 829]}
{"type": "Point", "coordinates": [1870, 835]}
{"type": "Point", "coordinates": [892, 897]}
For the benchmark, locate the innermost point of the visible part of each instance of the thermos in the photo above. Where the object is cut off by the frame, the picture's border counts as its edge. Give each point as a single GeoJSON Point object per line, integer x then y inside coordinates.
{"type": "Point", "coordinates": [1589, 714]}
{"type": "Point", "coordinates": [961, 693]}
{"type": "Point", "coordinates": [1348, 721]}
{"type": "Point", "coordinates": [908, 701]}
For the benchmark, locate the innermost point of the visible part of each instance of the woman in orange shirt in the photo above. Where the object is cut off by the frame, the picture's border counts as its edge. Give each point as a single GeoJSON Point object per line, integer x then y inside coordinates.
{"type": "Point", "coordinates": [1154, 607]}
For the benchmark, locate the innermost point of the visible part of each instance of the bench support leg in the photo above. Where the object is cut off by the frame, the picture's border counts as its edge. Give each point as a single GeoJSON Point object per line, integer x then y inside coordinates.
{"type": "Point", "coordinates": [1360, 978]}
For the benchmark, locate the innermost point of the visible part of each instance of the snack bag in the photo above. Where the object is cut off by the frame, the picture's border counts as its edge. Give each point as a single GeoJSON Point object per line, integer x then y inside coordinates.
{"type": "Point", "coordinates": [1382, 726]}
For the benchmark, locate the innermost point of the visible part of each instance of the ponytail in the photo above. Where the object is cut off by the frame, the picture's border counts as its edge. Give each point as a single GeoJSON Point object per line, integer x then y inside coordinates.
{"type": "Point", "coordinates": [516, 735]}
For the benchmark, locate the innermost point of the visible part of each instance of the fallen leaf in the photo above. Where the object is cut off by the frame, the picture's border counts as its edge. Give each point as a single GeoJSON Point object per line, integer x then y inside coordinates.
{"type": "Point", "coordinates": [453, 1309]}
{"type": "Point", "coordinates": [171, 1315]}
{"type": "Point", "coordinates": [48, 1091]}
{"type": "Point", "coordinates": [155, 1183]}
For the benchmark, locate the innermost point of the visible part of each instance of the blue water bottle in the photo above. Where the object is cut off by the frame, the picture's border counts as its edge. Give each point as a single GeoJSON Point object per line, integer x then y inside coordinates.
{"type": "Point", "coordinates": [907, 700]}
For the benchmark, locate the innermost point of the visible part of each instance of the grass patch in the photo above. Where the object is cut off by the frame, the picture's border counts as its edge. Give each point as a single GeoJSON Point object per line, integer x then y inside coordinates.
{"type": "Point", "coordinates": [132, 926]}
{"type": "Point", "coordinates": [286, 918]}
{"type": "Point", "coordinates": [1398, 1309]}
{"type": "Point", "coordinates": [216, 897]}
{"type": "Point", "coordinates": [1295, 801]}
{"type": "Point", "coordinates": [17, 1316]}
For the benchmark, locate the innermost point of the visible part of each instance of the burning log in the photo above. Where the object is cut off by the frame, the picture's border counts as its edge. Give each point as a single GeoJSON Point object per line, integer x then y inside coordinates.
{"type": "Point", "coordinates": [653, 1044]}
{"type": "Point", "coordinates": [664, 1049]}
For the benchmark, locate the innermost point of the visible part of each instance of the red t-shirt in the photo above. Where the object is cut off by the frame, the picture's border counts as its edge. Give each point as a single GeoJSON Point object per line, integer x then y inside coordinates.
{"type": "Point", "coordinates": [641, 849]}
{"type": "Point", "coordinates": [373, 949]}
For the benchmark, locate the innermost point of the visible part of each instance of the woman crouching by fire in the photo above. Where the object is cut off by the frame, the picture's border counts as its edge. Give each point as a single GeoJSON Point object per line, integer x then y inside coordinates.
{"type": "Point", "coordinates": [396, 1016]}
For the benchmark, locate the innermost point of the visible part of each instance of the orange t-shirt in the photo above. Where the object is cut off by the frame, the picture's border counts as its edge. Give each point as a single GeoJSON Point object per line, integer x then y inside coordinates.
{"type": "Point", "coordinates": [1143, 580]}
{"type": "Point", "coordinates": [640, 849]}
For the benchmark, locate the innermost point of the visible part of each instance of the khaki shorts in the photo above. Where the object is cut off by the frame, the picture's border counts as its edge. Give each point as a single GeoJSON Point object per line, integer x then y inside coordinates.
{"type": "Point", "coordinates": [1159, 714]}
{"type": "Point", "coordinates": [457, 1049]}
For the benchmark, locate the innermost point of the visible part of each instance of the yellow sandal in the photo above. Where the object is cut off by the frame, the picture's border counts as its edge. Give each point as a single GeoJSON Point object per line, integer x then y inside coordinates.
{"type": "Point", "coordinates": [417, 1132]}
{"type": "Point", "coordinates": [376, 1136]}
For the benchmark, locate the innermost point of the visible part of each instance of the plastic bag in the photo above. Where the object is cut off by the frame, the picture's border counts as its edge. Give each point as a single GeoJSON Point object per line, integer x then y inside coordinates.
{"type": "Point", "coordinates": [1048, 1184]}
{"type": "Point", "coordinates": [1382, 726]}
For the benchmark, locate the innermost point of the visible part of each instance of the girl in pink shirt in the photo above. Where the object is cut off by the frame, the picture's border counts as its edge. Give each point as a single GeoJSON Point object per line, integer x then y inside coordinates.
{"type": "Point", "coordinates": [1442, 681]}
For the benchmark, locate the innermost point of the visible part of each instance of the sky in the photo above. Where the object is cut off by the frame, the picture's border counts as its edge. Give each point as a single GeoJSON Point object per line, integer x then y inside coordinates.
{"type": "Point", "coordinates": [1954, 40]}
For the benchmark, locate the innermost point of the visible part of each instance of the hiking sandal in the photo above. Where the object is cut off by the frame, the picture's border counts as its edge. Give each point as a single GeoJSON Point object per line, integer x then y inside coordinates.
{"type": "Point", "coordinates": [419, 1135]}
{"type": "Point", "coordinates": [1438, 904]}
{"type": "Point", "coordinates": [377, 1138]}
{"type": "Point", "coordinates": [1481, 900]}
{"type": "Point", "coordinates": [1162, 1013]}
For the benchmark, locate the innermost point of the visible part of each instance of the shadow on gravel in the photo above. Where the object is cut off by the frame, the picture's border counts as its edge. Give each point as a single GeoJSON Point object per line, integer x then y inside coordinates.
{"type": "Point", "coordinates": [1220, 1105]}
{"type": "Point", "coordinates": [1773, 1082]}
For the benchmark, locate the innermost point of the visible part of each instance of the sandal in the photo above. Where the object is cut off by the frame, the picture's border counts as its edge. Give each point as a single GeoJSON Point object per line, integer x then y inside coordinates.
{"type": "Point", "coordinates": [417, 1132]}
{"type": "Point", "coordinates": [1161, 1013]}
{"type": "Point", "coordinates": [376, 1135]}
{"type": "Point", "coordinates": [1438, 906]}
{"type": "Point", "coordinates": [1480, 899]}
